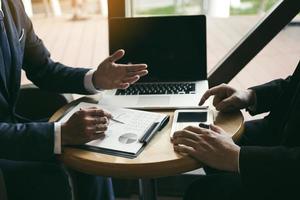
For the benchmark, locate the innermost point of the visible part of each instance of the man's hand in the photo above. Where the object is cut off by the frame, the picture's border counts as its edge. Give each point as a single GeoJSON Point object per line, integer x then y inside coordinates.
{"type": "Point", "coordinates": [111, 75]}
{"type": "Point", "coordinates": [83, 126]}
{"type": "Point", "coordinates": [212, 147]}
{"type": "Point", "coordinates": [228, 99]}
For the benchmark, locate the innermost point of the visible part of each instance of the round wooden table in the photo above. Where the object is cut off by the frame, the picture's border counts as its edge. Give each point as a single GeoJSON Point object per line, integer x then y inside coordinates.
{"type": "Point", "coordinates": [158, 159]}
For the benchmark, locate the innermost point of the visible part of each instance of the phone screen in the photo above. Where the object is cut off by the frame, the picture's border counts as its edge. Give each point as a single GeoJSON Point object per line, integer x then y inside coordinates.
{"type": "Point", "coordinates": [191, 117]}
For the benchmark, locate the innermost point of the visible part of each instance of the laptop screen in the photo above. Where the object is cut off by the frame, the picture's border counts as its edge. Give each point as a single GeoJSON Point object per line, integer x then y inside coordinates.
{"type": "Point", "coordinates": [174, 48]}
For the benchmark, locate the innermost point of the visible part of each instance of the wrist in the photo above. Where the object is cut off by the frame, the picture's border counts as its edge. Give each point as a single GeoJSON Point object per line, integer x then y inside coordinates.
{"type": "Point", "coordinates": [94, 81]}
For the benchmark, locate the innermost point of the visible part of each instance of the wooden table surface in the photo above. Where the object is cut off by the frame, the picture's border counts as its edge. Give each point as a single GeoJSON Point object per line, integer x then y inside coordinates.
{"type": "Point", "coordinates": [158, 159]}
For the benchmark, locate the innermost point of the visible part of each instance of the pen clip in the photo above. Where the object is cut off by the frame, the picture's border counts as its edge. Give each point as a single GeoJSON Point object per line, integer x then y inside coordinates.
{"type": "Point", "coordinates": [164, 123]}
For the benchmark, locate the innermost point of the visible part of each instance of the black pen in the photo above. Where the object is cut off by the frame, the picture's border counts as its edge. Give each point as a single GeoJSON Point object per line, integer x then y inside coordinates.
{"type": "Point", "coordinates": [115, 120]}
{"type": "Point", "coordinates": [149, 132]}
{"type": "Point", "coordinates": [155, 127]}
{"type": "Point", "coordinates": [204, 125]}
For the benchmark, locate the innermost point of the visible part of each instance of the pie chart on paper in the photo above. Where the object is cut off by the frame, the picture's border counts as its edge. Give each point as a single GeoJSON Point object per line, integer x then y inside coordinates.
{"type": "Point", "coordinates": [128, 138]}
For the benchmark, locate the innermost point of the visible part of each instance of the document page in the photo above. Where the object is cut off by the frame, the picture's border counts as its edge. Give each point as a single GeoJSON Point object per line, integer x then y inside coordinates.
{"type": "Point", "coordinates": [123, 137]}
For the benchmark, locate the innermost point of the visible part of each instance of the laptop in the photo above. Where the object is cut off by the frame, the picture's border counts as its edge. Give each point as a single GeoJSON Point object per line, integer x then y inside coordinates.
{"type": "Point", "coordinates": [174, 48]}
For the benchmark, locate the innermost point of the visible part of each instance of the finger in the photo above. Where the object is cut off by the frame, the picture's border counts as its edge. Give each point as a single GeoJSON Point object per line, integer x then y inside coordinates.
{"type": "Point", "coordinates": [196, 130]}
{"type": "Point", "coordinates": [91, 121]}
{"type": "Point", "coordinates": [137, 73]}
{"type": "Point", "coordinates": [85, 111]}
{"type": "Point", "coordinates": [184, 149]}
{"type": "Point", "coordinates": [100, 120]}
{"type": "Point", "coordinates": [216, 129]}
{"type": "Point", "coordinates": [225, 104]}
{"type": "Point", "coordinates": [122, 85]}
{"type": "Point", "coordinates": [96, 112]}
{"type": "Point", "coordinates": [97, 129]}
{"type": "Point", "coordinates": [104, 120]}
{"type": "Point", "coordinates": [185, 141]}
{"type": "Point", "coordinates": [185, 134]}
{"type": "Point", "coordinates": [131, 80]}
{"type": "Point", "coordinates": [101, 113]}
{"type": "Point", "coordinates": [100, 128]}
{"type": "Point", "coordinates": [217, 99]}
{"type": "Point", "coordinates": [143, 73]}
{"type": "Point", "coordinates": [212, 91]}
{"type": "Point", "coordinates": [117, 55]}
{"type": "Point", "coordinates": [205, 96]}
{"type": "Point", "coordinates": [132, 67]}
{"type": "Point", "coordinates": [107, 114]}
{"type": "Point", "coordinates": [94, 136]}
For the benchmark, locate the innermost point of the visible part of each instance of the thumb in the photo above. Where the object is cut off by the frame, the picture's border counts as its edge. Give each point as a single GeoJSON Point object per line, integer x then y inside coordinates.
{"type": "Point", "coordinates": [225, 104]}
{"type": "Point", "coordinates": [117, 55]}
{"type": "Point", "coordinates": [216, 128]}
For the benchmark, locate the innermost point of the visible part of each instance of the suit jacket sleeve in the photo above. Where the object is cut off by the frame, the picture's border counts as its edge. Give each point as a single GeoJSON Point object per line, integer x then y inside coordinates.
{"type": "Point", "coordinates": [44, 72]}
{"type": "Point", "coordinates": [268, 93]}
{"type": "Point", "coordinates": [27, 141]}
{"type": "Point", "coordinates": [270, 170]}
{"type": "Point", "coordinates": [35, 141]}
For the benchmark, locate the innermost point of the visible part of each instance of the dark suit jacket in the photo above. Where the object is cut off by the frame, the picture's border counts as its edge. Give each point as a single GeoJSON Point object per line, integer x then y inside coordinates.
{"type": "Point", "coordinates": [274, 169]}
{"type": "Point", "coordinates": [20, 140]}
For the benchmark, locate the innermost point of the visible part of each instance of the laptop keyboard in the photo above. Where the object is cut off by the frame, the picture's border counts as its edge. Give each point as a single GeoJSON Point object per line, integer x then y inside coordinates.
{"type": "Point", "coordinates": [158, 88]}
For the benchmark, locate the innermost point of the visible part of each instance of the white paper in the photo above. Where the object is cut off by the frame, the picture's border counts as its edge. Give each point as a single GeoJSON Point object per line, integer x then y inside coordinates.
{"type": "Point", "coordinates": [121, 137]}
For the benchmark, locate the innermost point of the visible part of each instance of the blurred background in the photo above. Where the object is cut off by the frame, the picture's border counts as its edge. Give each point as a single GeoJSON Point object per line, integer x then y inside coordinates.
{"type": "Point", "coordinates": [230, 7]}
{"type": "Point", "coordinates": [76, 32]}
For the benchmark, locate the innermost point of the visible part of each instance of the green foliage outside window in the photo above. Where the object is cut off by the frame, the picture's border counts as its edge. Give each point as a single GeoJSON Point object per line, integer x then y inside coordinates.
{"type": "Point", "coordinates": [254, 7]}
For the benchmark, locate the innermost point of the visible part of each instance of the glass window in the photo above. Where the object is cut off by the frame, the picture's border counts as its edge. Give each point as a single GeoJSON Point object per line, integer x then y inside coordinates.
{"type": "Point", "coordinates": [192, 7]}
{"type": "Point", "coordinates": [227, 23]}
{"type": "Point", "coordinates": [166, 7]}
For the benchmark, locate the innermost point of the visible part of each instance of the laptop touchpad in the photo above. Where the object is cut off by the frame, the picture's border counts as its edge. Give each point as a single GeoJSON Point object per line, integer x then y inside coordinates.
{"type": "Point", "coordinates": [160, 101]}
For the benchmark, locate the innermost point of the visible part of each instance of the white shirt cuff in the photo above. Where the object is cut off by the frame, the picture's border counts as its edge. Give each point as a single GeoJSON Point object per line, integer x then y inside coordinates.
{"type": "Point", "coordinates": [88, 82]}
{"type": "Point", "coordinates": [57, 138]}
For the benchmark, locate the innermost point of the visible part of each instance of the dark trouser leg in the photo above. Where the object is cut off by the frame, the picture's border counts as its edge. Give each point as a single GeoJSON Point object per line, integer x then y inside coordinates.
{"type": "Point", "coordinates": [35, 180]}
{"type": "Point", "coordinates": [215, 187]}
{"type": "Point", "coordinates": [88, 187]}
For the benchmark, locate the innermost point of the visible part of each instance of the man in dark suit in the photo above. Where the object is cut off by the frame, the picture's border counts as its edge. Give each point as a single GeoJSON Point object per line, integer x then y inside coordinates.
{"type": "Point", "coordinates": [28, 149]}
{"type": "Point", "coordinates": [265, 162]}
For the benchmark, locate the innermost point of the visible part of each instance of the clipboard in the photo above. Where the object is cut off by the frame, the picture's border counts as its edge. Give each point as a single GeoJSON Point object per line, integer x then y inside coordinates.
{"type": "Point", "coordinates": [126, 139]}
